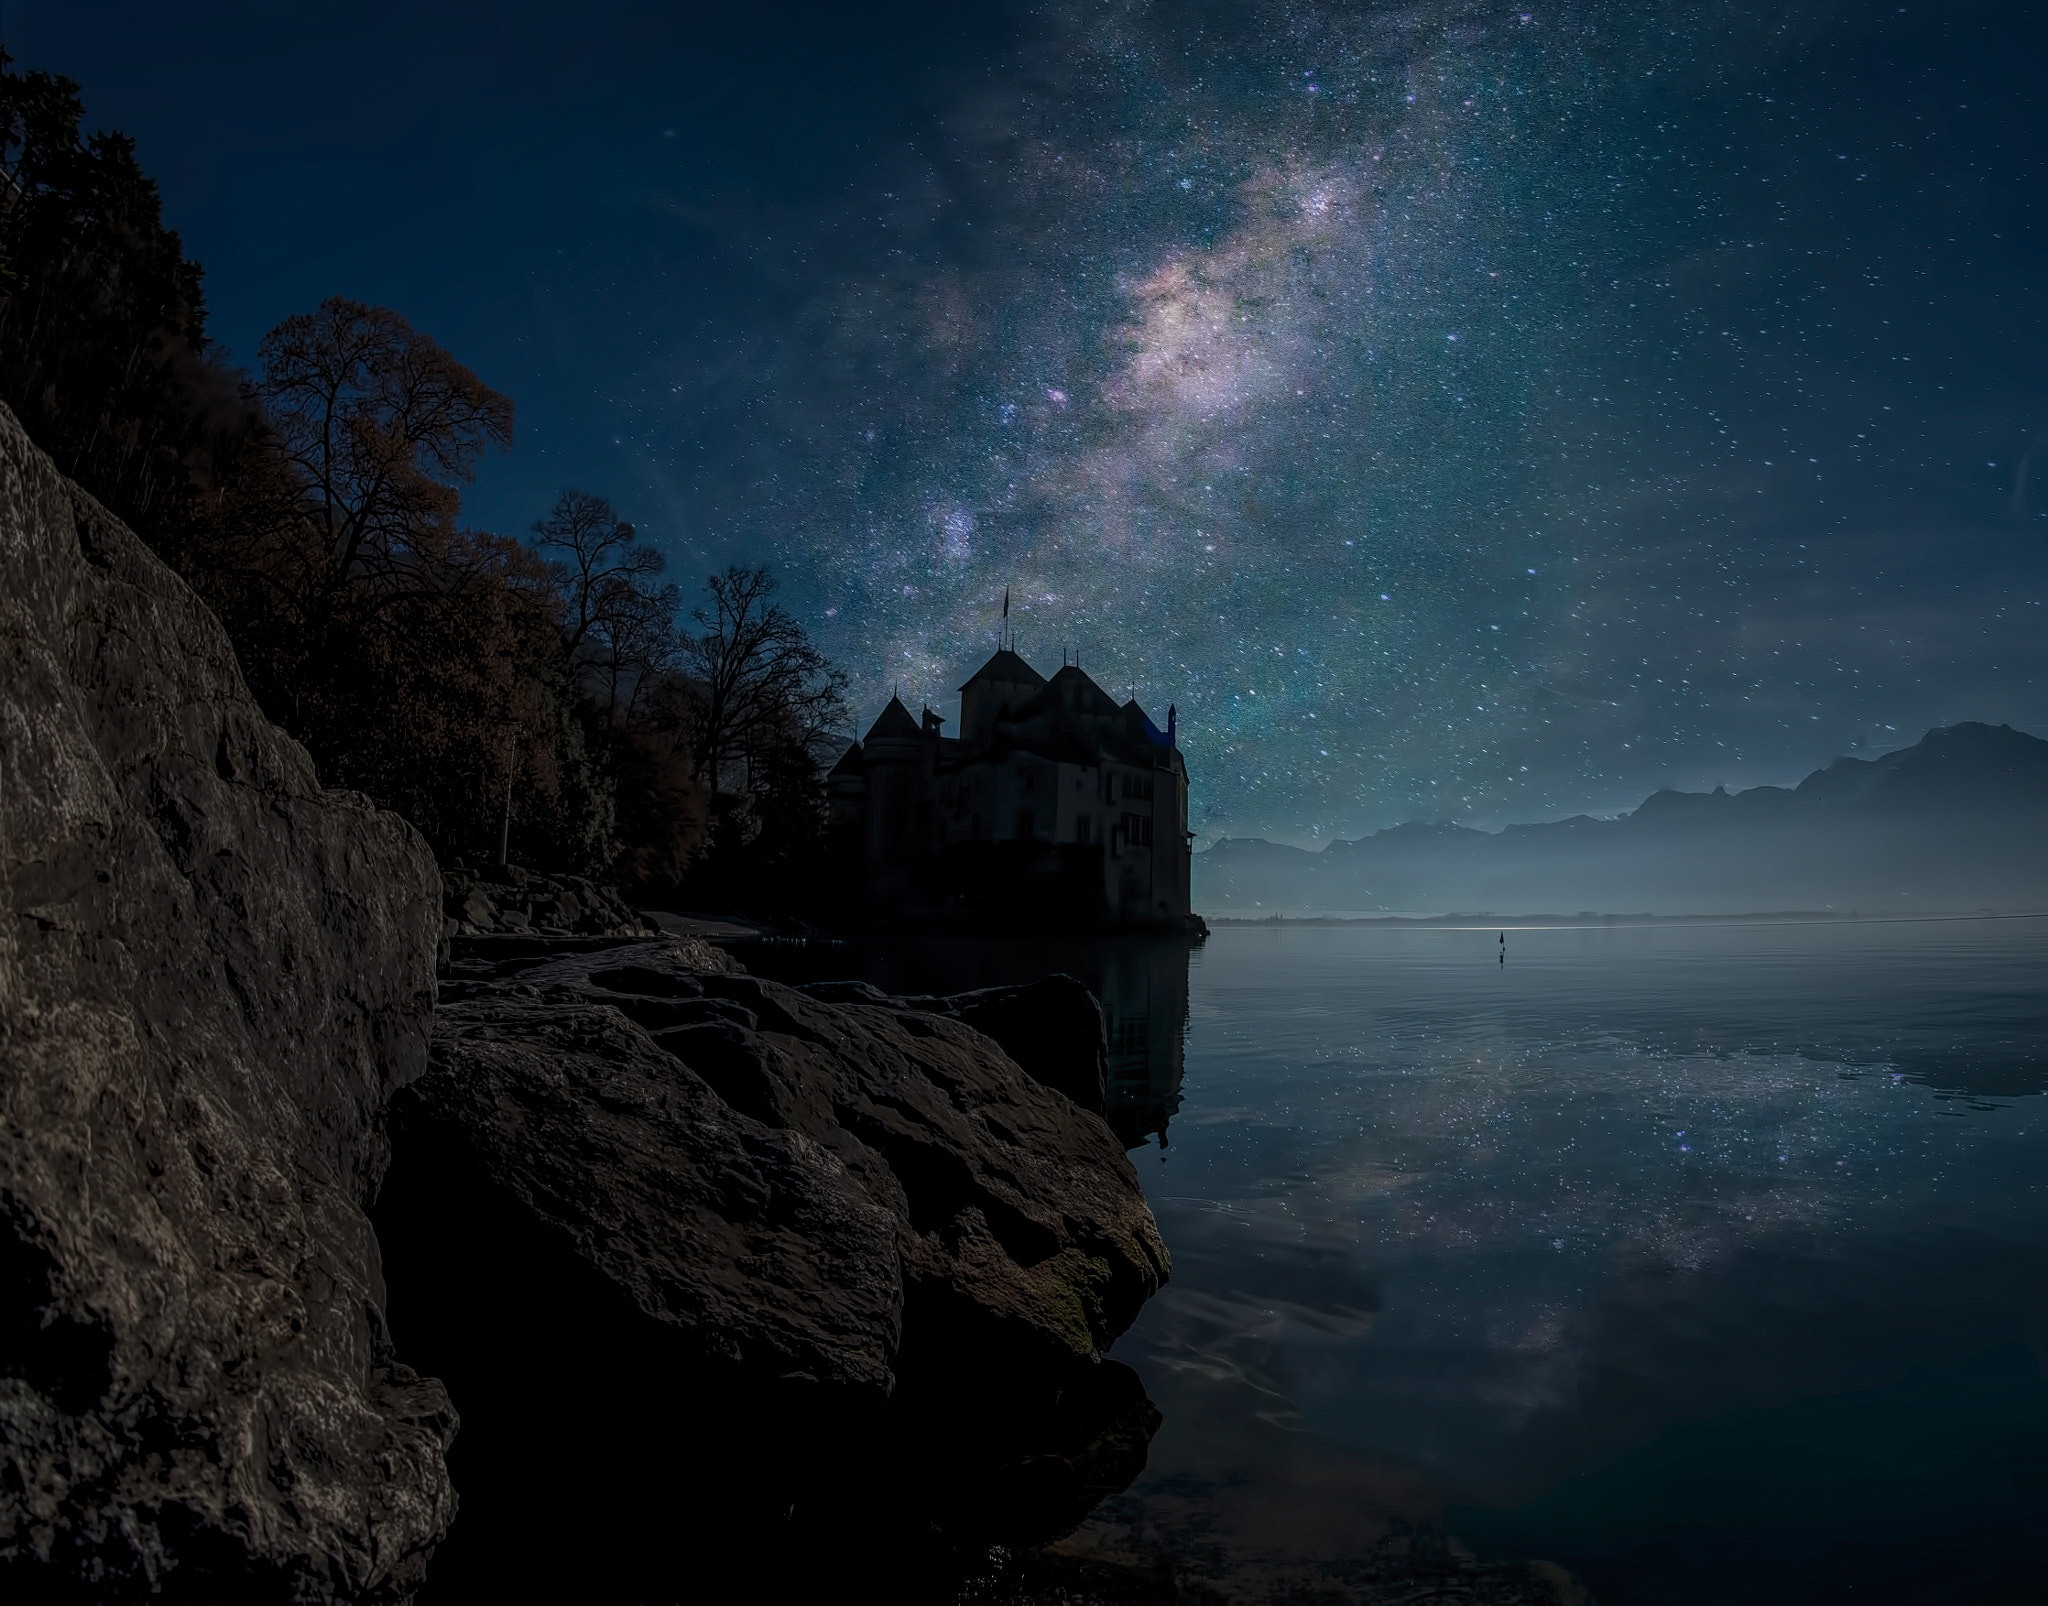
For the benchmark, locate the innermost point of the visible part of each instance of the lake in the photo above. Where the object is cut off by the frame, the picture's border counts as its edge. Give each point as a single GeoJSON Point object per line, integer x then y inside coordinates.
{"type": "Point", "coordinates": [1708, 1262]}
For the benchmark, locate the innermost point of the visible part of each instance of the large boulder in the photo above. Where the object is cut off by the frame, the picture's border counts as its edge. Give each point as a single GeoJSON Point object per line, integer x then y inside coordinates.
{"type": "Point", "coordinates": [672, 1231]}
{"type": "Point", "coordinates": [1053, 1027]}
{"type": "Point", "coordinates": [213, 974]}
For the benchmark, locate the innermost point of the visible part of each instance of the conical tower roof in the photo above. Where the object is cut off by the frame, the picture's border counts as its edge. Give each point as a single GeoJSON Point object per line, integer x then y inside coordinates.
{"type": "Point", "coordinates": [1007, 668]}
{"type": "Point", "coordinates": [895, 721]}
{"type": "Point", "coordinates": [849, 763]}
{"type": "Point", "coordinates": [1076, 689]}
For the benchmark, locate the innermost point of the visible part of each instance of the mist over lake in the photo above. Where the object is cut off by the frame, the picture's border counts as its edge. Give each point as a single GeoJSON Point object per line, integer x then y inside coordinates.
{"type": "Point", "coordinates": [1952, 822]}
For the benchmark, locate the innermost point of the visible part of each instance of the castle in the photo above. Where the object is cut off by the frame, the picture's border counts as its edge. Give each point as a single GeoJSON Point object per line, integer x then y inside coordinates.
{"type": "Point", "coordinates": [1053, 806]}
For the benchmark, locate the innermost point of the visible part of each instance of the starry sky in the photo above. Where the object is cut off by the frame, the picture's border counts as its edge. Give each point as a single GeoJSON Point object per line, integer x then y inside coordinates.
{"type": "Point", "coordinates": [1474, 412]}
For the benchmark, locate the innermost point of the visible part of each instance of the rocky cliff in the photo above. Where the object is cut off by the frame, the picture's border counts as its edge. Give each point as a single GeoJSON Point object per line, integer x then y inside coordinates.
{"type": "Point", "coordinates": [213, 975]}
{"type": "Point", "coordinates": [701, 1256]}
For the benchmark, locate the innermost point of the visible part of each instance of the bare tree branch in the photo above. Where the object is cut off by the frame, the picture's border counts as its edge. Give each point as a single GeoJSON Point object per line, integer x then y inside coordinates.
{"type": "Point", "coordinates": [380, 421]}
{"type": "Point", "coordinates": [619, 624]}
{"type": "Point", "coordinates": [758, 678]}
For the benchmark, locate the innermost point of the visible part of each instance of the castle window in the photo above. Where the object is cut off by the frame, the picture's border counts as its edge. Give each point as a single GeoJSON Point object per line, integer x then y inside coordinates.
{"type": "Point", "coordinates": [1081, 830]}
{"type": "Point", "coordinates": [1138, 830]}
{"type": "Point", "coordinates": [1027, 825]}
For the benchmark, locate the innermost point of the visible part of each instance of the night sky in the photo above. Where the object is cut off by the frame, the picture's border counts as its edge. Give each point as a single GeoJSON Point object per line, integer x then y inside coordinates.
{"type": "Point", "coordinates": [1458, 411]}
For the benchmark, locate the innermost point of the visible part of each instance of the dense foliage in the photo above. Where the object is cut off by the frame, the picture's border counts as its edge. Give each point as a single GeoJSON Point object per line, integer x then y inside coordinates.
{"type": "Point", "coordinates": [473, 682]}
{"type": "Point", "coordinates": [101, 317]}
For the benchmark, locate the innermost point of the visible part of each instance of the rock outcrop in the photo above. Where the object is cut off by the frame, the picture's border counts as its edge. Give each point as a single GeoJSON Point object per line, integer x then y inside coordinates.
{"type": "Point", "coordinates": [1053, 1028]}
{"type": "Point", "coordinates": [511, 899]}
{"type": "Point", "coordinates": [213, 974]}
{"type": "Point", "coordinates": [819, 1214]}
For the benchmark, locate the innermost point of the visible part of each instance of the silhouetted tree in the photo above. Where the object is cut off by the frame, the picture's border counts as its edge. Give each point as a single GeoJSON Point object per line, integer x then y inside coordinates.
{"type": "Point", "coordinates": [760, 683]}
{"type": "Point", "coordinates": [318, 510]}
{"type": "Point", "coordinates": [419, 661]}
{"type": "Point", "coordinates": [618, 628]}
{"type": "Point", "coordinates": [102, 323]}
{"type": "Point", "coordinates": [382, 424]}
{"type": "Point", "coordinates": [663, 805]}
{"type": "Point", "coordinates": [762, 697]}
{"type": "Point", "coordinates": [592, 555]}
{"type": "Point", "coordinates": [619, 621]}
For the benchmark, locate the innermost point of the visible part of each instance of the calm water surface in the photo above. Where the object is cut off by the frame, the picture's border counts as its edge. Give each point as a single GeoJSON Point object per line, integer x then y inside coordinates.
{"type": "Point", "coordinates": [1708, 1262]}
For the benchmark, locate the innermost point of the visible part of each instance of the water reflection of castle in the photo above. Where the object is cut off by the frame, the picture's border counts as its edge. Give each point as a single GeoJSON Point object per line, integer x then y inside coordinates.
{"type": "Point", "coordinates": [1143, 986]}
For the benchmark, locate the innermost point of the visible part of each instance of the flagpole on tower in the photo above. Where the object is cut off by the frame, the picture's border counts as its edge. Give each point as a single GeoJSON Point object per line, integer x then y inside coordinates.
{"type": "Point", "coordinates": [1003, 636]}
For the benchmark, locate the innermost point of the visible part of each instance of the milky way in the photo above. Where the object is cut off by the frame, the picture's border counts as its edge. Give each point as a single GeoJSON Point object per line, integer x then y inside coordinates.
{"type": "Point", "coordinates": [1454, 411]}
{"type": "Point", "coordinates": [1457, 411]}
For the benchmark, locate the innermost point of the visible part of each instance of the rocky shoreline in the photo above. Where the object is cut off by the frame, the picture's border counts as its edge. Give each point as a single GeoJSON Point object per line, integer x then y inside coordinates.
{"type": "Point", "coordinates": [511, 900]}
{"type": "Point", "coordinates": [709, 1267]}
{"type": "Point", "coordinates": [847, 1228]}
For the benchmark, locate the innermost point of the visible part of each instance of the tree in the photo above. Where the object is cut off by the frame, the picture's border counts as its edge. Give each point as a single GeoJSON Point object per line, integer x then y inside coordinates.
{"type": "Point", "coordinates": [317, 511]}
{"type": "Point", "coordinates": [382, 424]}
{"type": "Point", "coordinates": [638, 647]}
{"type": "Point", "coordinates": [317, 508]}
{"type": "Point", "coordinates": [102, 323]}
{"type": "Point", "coordinates": [591, 554]}
{"type": "Point", "coordinates": [760, 684]}
{"type": "Point", "coordinates": [663, 809]}
{"type": "Point", "coordinates": [419, 661]}
{"type": "Point", "coordinates": [375, 425]}
{"type": "Point", "coordinates": [619, 622]}
{"type": "Point", "coordinates": [761, 696]}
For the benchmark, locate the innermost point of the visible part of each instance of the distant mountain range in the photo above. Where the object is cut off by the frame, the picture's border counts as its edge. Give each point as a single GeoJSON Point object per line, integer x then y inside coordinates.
{"type": "Point", "coordinates": [1958, 821]}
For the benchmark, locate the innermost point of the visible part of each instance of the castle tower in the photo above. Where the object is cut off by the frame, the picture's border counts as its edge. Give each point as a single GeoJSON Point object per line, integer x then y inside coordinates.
{"type": "Point", "coordinates": [995, 691]}
{"type": "Point", "coordinates": [893, 759]}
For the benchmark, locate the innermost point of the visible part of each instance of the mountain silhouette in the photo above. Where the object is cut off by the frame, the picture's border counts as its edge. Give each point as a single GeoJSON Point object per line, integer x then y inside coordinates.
{"type": "Point", "coordinates": [1958, 821]}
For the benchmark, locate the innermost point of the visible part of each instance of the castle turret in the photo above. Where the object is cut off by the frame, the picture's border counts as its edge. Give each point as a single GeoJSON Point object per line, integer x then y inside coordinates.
{"type": "Point", "coordinates": [894, 762]}
{"type": "Point", "coordinates": [994, 691]}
